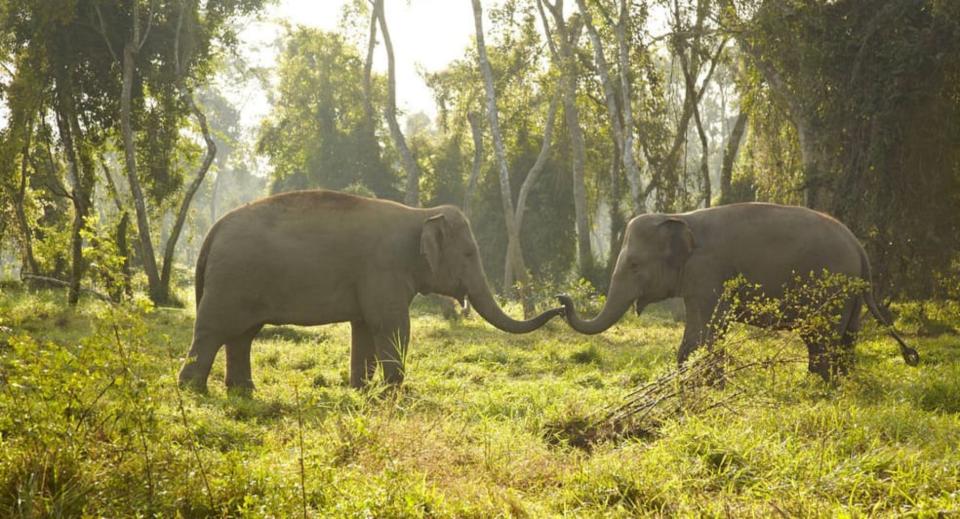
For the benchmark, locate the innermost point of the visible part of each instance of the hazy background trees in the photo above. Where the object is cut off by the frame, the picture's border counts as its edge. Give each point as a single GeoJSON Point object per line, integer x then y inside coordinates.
{"type": "Point", "coordinates": [121, 144]}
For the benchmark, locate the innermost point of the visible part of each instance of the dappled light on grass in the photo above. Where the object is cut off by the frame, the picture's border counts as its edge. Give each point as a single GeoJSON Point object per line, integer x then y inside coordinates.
{"type": "Point", "coordinates": [486, 424]}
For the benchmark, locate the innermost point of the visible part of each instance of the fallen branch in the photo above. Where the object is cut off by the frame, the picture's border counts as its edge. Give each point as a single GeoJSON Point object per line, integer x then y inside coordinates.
{"type": "Point", "coordinates": [62, 283]}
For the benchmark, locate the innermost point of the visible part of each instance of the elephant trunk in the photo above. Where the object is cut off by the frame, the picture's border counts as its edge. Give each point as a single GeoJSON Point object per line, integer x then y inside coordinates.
{"type": "Point", "coordinates": [619, 298]}
{"type": "Point", "coordinates": [483, 302]}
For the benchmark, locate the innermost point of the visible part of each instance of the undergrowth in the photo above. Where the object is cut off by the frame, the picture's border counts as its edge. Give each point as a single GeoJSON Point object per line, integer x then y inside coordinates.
{"type": "Point", "coordinates": [486, 425]}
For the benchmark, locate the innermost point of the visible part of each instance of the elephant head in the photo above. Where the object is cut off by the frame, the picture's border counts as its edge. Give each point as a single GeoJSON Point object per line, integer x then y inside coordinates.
{"type": "Point", "coordinates": [649, 268]}
{"type": "Point", "coordinates": [453, 268]}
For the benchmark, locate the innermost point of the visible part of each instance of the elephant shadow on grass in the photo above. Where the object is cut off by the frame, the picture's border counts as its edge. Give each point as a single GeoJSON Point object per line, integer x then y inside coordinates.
{"type": "Point", "coordinates": [295, 334]}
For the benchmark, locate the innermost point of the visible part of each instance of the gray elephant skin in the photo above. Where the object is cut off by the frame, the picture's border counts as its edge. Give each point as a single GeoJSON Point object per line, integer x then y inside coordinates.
{"type": "Point", "coordinates": [318, 257]}
{"type": "Point", "coordinates": [692, 255]}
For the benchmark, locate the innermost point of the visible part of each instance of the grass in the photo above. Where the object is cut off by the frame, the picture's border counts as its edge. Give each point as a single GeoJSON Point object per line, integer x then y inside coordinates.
{"type": "Point", "coordinates": [486, 425]}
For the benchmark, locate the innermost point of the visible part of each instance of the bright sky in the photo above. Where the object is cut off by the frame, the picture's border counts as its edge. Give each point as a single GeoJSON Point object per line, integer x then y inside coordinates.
{"type": "Point", "coordinates": [426, 35]}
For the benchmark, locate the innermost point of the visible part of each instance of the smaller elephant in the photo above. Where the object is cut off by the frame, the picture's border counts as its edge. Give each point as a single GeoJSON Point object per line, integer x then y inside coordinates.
{"type": "Point", "coordinates": [692, 255]}
{"type": "Point", "coordinates": [318, 257]}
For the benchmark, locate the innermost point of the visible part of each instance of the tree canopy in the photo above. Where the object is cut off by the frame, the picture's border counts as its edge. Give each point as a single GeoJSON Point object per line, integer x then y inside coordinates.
{"type": "Point", "coordinates": [606, 109]}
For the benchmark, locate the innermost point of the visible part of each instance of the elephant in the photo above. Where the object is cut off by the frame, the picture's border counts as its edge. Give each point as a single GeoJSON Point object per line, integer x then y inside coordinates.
{"type": "Point", "coordinates": [317, 257]}
{"type": "Point", "coordinates": [691, 255]}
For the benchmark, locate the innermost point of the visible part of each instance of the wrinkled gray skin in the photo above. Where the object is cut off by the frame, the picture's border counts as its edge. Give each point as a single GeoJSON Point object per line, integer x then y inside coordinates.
{"type": "Point", "coordinates": [691, 255]}
{"type": "Point", "coordinates": [318, 257]}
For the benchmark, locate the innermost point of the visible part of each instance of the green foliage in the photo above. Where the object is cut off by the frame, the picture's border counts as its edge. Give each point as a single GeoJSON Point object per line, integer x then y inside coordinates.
{"type": "Point", "coordinates": [486, 425]}
{"type": "Point", "coordinates": [872, 87]}
{"type": "Point", "coordinates": [813, 303]}
{"type": "Point", "coordinates": [524, 90]}
{"type": "Point", "coordinates": [105, 262]}
{"type": "Point", "coordinates": [318, 134]}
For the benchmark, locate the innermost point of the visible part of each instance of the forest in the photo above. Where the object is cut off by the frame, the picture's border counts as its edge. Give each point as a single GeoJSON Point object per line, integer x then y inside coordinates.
{"type": "Point", "coordinates": [124, 138]}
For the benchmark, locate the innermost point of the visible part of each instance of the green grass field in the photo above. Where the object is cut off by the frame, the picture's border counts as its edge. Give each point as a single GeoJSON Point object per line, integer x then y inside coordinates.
{"type": "Point", "coordinates": [486, 425]}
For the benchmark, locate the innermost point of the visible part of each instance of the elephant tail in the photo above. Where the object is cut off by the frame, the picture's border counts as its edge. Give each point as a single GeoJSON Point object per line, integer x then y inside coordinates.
{"type": "Point", "coordinates": [202, 265]}
{"type": "Point", "coordinates": [910, 355]}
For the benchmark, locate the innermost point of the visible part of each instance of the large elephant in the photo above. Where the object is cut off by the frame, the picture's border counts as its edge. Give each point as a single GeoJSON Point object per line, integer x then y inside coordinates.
{"type": "Point", "coordinates": [692, 255]}
{"type": "Point", "coordinates": [318, 257]}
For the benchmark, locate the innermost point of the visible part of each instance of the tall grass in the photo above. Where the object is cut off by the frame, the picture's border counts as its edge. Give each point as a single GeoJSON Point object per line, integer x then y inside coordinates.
{"type": "Point", "coordinates": [486, 425]}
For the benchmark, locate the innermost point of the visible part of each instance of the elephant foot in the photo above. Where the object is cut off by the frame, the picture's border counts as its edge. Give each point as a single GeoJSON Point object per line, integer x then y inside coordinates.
{"type": "Point", "coordinates": [190, 380]}
{"type": "Point", "coordinates": [195, 385]}
{"type": "Point", "coordinates": [244, 387]}
{"type": "Point", "coordinates": [825, 369]}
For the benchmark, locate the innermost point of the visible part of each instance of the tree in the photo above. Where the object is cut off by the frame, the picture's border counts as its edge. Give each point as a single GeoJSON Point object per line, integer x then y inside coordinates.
{"type": "Point", "coordinates": [163, 52]}
{"type": "Point", "coordinates": [619, 107]}
{"type": "Point", "coordinates": [727, 195]}
{"type": "Point", "coordinates": [410, 166]}
{"type": "Point", "coordinates": [514, 260]}
{"type": "Point", "coordinates": [23, 99]}
{"type": "Point", "coordinates": [524, 89]}
{"type": "Point", "coordinates": [563, 53]}
{"type": "Point", "coordinates": [869, 90]}
{"type": "Point", "coordinates": [58, 60]}
{"type": "Point", "coordinates": [318, 133]}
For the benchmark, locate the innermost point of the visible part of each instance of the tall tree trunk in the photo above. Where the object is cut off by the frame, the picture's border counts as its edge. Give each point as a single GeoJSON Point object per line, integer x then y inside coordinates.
{"type": "Point", "coordinates": [174, 236]}
{"type": "Point", "coordinates": [628, 154]}
{"type": "Point", "coordinates": [123, 226]}
{"type": "Point", "coordinates": [477, 132]}
{"type": "Point", "coordinates": [602, 69]}
{"type": "Point", "coordinates": [730, 156]}
{"type": "Point", "coordinates": [368, 65]}
{"type": "Point", "coordinates": [617, 221]}
{"type": "Point", "coordinates": [412, 196]}
{"type": "Point", "coordinates": [125, 288]}
{"type": "Point", "coordinates": [514, 251]}
{"type": "Point", "coordinates": [621, 108]}
{"type": "Point", "coordinates": [80, 173]}
{"type": "Point", "coordinates": [816, 165]}
{"type": "Point", "coordinates": [693, 93]}
{"type": "Point", "coordinates": [26, 239]}
{"type": "Point", "coordinates": [214, 191]}
{"type": "Point", "coordinates": [565, 58]}
{"type": "Point", "coordinates": [528, 182]}
{"type": "Point", "coordinates": [531, 179]}
{"type": "Point", "coordinates": [704, 159]}
{"type": "Point", "coordinates": [181, 218]}
{"type": "Point", "coordinates": [147, 256]}
{"type": "Point", "coordinates": [812, 150]}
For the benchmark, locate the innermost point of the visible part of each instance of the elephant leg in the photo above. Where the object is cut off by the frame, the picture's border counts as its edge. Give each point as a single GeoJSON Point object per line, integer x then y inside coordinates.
{"type": "Point", "coordinates": [848, 336]}
{"type": "Point", "coordinates": [392, 345]}
{"type": "Point", "coordinates": [691, 341]}
{"type": "Point", "coordinates": [705, 326]}
{"type": "Point", "coordinates": [830, 352]}
{"type": "Point", "coordinates": [363, 355]}
{"type": "Point", "coordinates": [818, 360]}
{"type": "Point", "coordinates": [823, 355]}
{"type": "Point", "coordinates": [203, 350]}
{"type": "Point", "coordinates": [238, 376]}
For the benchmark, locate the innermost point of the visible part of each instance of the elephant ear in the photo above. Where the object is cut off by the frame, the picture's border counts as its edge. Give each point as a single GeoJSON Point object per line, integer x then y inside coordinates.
{"type": "Point", "coordinates": [431, 238]}
{"type": "Point", "coordinates": [680, 242]}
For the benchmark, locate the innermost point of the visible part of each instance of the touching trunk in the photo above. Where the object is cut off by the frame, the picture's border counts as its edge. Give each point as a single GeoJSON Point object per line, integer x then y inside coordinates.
{"type": "Point", "coordinates": [482, 300]}
{"type": "Point", "coordinates": [619, 298]}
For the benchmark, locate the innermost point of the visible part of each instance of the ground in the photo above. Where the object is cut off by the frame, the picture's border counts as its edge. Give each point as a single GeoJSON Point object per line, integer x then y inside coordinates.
{"type": "Point", "coordinates": [91, 423]}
